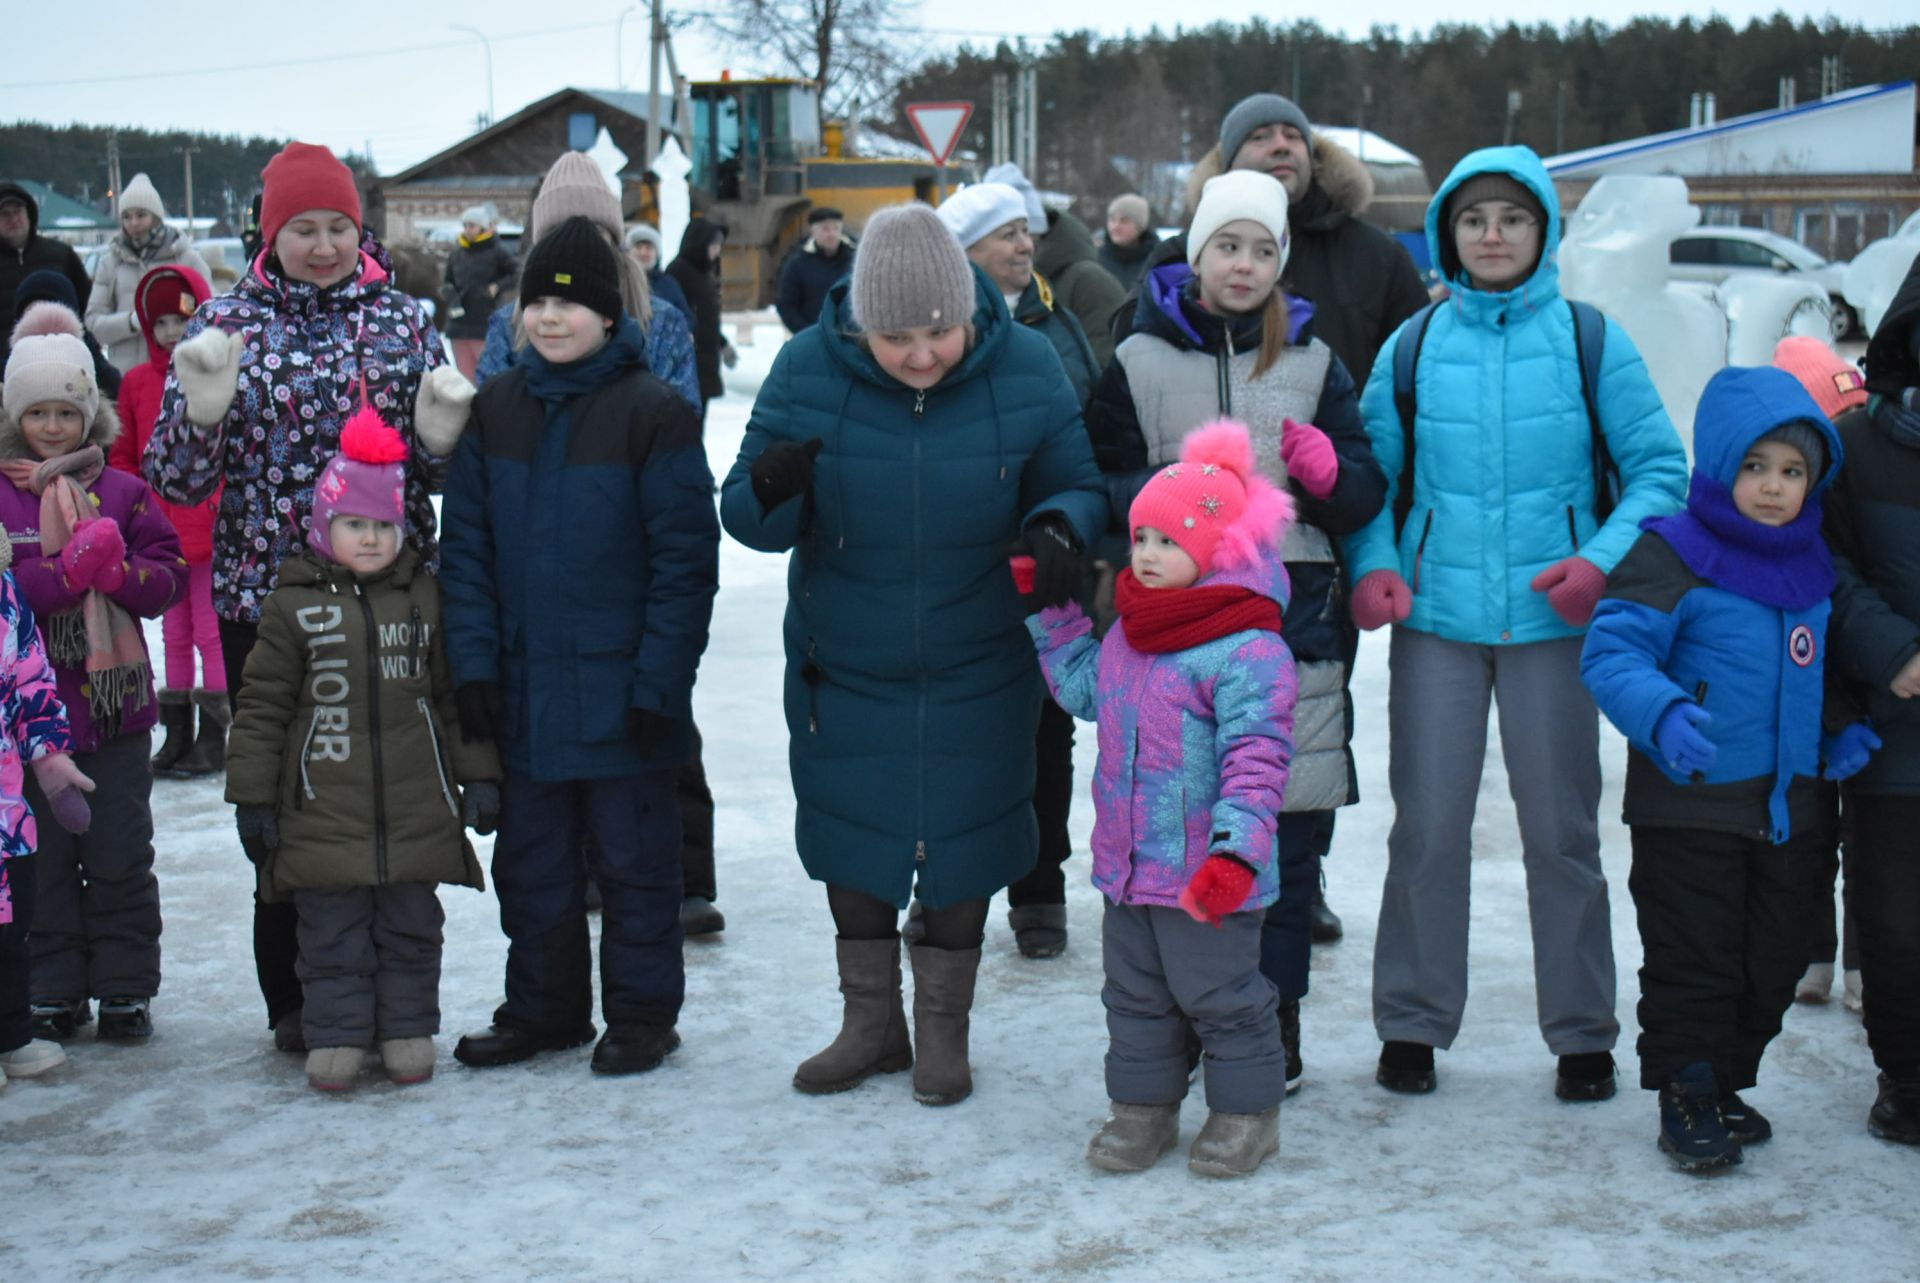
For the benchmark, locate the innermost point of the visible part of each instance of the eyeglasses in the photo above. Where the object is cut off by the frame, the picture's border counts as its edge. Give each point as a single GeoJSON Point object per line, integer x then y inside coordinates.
{"type": "Point", "coordinates": [1512, 226]}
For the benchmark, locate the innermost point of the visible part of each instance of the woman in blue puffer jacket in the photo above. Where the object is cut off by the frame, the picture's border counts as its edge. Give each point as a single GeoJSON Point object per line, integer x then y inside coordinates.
{"type": "Point", "coordinates": [1490, 582]}
{"type": "Point", "coordinates": [899, 447]}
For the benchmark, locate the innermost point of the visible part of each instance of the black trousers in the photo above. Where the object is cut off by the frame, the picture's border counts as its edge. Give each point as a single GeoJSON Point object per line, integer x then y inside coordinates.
{"type": "Point", "coordinates": [1724, 926]}
{"type": "Point", "coordinates": [1052, 804]}
{"type": "Point", "coordinates": [16, 1003]}
{"type": "Point", "coordinates": [276, 939]}
{"type": "Point", "coordinates": [1833, 942]}
{"type": "Point", "coordinates": [1885, 881]}
{"type": "Point", "coordinates": [696, 825]}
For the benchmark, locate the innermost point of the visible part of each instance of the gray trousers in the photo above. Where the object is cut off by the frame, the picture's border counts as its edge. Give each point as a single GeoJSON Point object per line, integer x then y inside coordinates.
{"type": "Point", "coordinates": [369, 963]}
{"type": "Point", "coordinates": [1165, 969]}
{"type": "Point", "coordinates": [1437, 714]}
{"type": "Point", "coordinates": [96, 926]}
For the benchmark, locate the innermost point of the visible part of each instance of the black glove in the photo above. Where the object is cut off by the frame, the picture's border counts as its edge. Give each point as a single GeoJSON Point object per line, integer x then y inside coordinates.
{"type": "Point", "coordinates": [1057, 563]}
{"type": "Point", "coordinates": [783, 470]}
{"type": "Point", "coordinates": [259, 829]}
{"type": "Point", "coordinates": [479, 705]}
{"type": "Point", "coordinates": [480, 806]}
{"type": "Point", "coordinates": [650, 728]}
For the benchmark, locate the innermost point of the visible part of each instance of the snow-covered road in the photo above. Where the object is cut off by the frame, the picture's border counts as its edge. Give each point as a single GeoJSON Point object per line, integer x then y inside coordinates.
{"type": "Point", "coordinates": [205, 1156]}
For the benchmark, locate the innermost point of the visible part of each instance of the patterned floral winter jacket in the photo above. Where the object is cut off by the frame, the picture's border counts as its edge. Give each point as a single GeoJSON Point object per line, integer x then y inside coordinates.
{"type": "Point", "coordinates": [311, 355]}
{"type": "Point", "coordinates": [32, 724]}
{"type": "Point", "coordinates": [1194, 745]}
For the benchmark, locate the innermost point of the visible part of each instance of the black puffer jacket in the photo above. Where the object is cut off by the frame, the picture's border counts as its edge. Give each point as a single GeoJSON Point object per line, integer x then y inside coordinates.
{"type": "Point", "coordinates": [699, 279]}
{"type": "Point", "coordinates": [38, 252]}
{"type": "Point", "coordinates": [479, 278]}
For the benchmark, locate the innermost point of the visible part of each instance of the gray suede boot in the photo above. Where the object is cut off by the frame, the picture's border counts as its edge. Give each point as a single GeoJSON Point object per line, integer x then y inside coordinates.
{"type": "Point", "coordinates": [1134, 1137]}
{"type": "Point", "coordinates": [873, 1022]}
{"type": "Point", "coordinates": [942, 1005]}
{"type": "Point", "coordinates": [1235, 1144]}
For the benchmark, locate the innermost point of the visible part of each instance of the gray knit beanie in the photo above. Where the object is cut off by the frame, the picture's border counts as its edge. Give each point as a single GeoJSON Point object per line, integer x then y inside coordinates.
{"type": "Point", "coordinates": [575, 187]}
{"type": "Point", "coordinates": [1493, 185]}
{"type": "Point", "coordinates": [1251, 113]}
{"type": "Point", "coordinates": [1808, 440]}
{"type": "Point", "coordinates": [910, 272]}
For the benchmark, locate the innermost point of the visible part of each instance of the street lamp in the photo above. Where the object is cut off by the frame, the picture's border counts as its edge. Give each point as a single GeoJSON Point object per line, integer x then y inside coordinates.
{"type": "Point", "coordinates": [488, 46]}
{"type": "Point", "coordinates": [619, 58]}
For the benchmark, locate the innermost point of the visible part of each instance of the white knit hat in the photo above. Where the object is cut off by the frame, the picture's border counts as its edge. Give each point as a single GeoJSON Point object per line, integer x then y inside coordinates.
{"type": "Point", "coordinates": [1238, 194]}
{"type": "Point", "coordinates": [140, 193]}
{"type": "Point", "coordinates": [974, 213]}
{"type": "Point", "coordinates": [50, 362]}
{"type": "Point", "coordinates": [1009, 173]}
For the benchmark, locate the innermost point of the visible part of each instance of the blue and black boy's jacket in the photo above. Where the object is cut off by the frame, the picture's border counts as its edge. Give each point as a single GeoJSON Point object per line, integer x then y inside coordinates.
{"type": "Point", "coordinates": [1665, 633]}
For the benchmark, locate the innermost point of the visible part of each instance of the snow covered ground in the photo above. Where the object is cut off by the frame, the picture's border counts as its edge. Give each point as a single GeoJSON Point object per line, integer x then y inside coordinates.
{"type": "Point", "coordinates": [205, 1156]}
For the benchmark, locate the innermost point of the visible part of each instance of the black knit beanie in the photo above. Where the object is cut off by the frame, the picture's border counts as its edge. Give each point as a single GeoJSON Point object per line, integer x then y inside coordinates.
{"type": "Point", "coordinates": [574, 262]}
{"type": "Point", "coordinates": [1808, 440]}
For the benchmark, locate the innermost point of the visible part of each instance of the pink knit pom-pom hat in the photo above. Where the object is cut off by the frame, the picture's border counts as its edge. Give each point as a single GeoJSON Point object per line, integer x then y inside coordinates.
{"type": "Point", "coordinates": [368, 478]}
{"type": "Point", "coordinates": [1215, 503]}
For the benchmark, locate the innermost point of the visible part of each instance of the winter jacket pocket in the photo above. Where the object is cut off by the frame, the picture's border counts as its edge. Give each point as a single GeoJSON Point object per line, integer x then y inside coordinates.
{"type": "Point", "coordinates": [603, 681]}
{"type": "Point", "coordinates": [439, 757]}
{"type": "Point", "coordinates": [1420, 549]}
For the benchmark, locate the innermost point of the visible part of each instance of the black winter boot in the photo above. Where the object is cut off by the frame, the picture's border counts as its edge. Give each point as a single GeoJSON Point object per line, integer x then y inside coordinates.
{"type": "Point", "coordinates": [942, 1010]}
{"type": "Point", "coordinates": [1406, 1067]}
{"type": "Point", "coordinates": [1744, 1123]}
{"type": "Point", "coordinates": [1290, 1039]}
{"type": "Point", "coordinates": [1691, 1130]}
{"type": "Point", "coordinates": [1896, 1114]}
{"type": "Point", "coordinates": [208, 756]}
{"type": "Point", "coordinates": [1586, 1075]}
{"type": "Point", "coordinates": [176, 719]}
{"type": "Point", "coordinates": [633, 1048]}
{"type": "Point", "coordinates": [873, 1022]}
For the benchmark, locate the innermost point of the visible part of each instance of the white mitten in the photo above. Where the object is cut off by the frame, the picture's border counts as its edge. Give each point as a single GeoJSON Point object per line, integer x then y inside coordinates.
{"type": "Point", "coordinates": [208, 367]}
{"type": "Point", "coordinates": [440, 411]}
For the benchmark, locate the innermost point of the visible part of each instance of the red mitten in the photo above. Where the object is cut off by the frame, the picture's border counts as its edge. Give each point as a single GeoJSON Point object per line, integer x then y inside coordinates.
{"type": "Point", "coordinates": [96, 558]}
{"type": "Point", "coordinates": [1220, 887]}
{"type": "Point", "coordinates": [1309, 457]}
{"type": "Point", "coordinates": [1381, 597]}
{"type": "Point", "coordinates": [1573, 588]}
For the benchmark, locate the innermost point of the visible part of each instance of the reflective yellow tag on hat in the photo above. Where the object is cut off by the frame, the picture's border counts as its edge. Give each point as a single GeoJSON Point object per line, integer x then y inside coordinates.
{"type": "Point", "coordinates": [563, 278]}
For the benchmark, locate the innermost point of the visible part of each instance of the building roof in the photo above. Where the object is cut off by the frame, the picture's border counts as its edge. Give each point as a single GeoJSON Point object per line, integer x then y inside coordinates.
{"type": "Point", "coordinates": [63, 213]}
{"type": "Point", "coordinates": [1648, 151]}
{"type": "Point", "coordinates": [623, 101]}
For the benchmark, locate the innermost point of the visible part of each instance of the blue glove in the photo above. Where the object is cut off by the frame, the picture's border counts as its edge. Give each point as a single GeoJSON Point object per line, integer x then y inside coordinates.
{"type": "Point", "coordinates": [1677, 736]}
{"type": "Point", "coordinates": [1844, 755]}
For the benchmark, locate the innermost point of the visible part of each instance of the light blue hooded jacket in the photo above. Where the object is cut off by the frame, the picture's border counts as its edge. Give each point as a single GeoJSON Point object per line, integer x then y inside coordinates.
{"type": "Point", "coordinates": [1503, 482]}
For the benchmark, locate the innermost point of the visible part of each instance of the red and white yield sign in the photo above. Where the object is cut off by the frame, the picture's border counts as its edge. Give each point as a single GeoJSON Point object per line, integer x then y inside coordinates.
{"type": "Point", "coordinates": [939, 125]}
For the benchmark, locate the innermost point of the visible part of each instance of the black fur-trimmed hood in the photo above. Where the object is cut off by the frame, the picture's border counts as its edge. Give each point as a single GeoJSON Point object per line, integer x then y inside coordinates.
{"type": "Point", "coordinates": [1340, 177]}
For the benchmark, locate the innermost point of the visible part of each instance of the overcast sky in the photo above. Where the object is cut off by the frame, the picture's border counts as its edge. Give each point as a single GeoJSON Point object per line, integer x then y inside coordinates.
{"type": "Point", "coordinates": [354, 75]}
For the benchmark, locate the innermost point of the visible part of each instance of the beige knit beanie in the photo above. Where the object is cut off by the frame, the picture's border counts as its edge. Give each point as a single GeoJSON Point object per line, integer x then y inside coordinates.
{"type": "Point", "coordinates": [576, 187]}
{"type": "Point", "coordinates": [140, 193]}
{"type": "Point", "coordinates": [910, 272]}
{"type": "Point", "coordinates": [49, 362]}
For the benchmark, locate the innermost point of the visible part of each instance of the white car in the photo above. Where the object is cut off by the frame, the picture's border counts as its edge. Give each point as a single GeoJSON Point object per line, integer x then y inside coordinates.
{"type": "Point", "coordinates": [1712, 254]}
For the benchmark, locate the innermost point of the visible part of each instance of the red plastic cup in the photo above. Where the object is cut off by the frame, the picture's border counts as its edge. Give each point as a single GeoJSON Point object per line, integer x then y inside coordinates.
{"type": "Point", "coordinates": [1022, 568]}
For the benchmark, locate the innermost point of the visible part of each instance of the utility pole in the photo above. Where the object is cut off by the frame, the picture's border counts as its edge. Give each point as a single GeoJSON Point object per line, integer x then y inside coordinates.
{"type": "Point", "coordinates": [1000, 130]}
{"type": "Point", "coordinates": [113, 163]}
{"type": "Point", "coordinates": [656, 41]}
{"type": "Point", "coordinates": [1513, 110]}
{"type": "Point", "coordinates": [488, 46]}
{"type": "Point", "coordinates": [1560, 119]}
{"type": "Point", "coordinates": [187, 154]}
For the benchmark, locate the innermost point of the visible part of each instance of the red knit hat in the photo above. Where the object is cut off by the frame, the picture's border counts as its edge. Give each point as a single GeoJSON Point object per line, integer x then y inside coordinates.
{"type": "Point", "coordinates": [1834, 385]}
{"type": "Point", "coordinates": [368, 478]}
{"type": "Point", "coordinates": [1214, 503]}
{"type": "Point", "coordinates": [300, 177]}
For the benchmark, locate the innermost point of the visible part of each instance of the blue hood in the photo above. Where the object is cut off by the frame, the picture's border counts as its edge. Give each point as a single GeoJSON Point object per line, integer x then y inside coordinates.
{"type": "Point", "coordinates": [1524, 167]}
{"type": "Point", "coordinates": [1741, 405]}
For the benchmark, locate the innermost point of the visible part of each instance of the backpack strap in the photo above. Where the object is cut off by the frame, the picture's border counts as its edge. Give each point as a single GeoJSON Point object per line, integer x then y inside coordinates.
{"type": "Point", "coordinates": [1590, 345]}
{"type": "Point", "coordinates": [1406, 362]}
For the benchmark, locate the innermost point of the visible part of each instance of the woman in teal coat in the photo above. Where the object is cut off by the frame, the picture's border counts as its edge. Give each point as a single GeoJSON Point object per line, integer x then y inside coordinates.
{"type": "Point", "coordinates": [1489, 573]}
{"type": "Point", "coordinates": [900, 449]}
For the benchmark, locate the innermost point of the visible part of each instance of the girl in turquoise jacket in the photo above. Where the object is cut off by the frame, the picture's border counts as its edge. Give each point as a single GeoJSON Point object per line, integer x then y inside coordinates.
{"type": "Point", "coordinates": [1490, 580]}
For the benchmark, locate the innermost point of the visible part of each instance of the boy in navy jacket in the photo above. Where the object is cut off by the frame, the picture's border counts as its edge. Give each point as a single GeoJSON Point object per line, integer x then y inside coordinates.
{"type": "Point", "coordinates": [1708, 652]}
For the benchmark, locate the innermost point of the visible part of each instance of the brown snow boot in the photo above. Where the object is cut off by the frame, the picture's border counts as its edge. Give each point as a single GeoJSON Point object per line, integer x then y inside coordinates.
{"type": "Point", "coordinates": [176, 719]}
{"type": "Point", "coordinates": [873, 1021]}
{"type": "Point", "coordinates": [208, 756]}
{"type": "Point", "coordinates": [942, 1004]}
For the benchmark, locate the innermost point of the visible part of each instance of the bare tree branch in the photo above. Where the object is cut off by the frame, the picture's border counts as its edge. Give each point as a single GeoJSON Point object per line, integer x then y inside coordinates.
{"type": "Point", "coordinates": [849, 48]}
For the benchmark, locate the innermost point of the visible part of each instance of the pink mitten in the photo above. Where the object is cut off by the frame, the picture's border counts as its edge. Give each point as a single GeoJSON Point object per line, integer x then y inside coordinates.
{"type": "Point", "coordinates": [1309, 457]}
{"type": "Point", "coordinates": [1219, 888]}
{"type": "Point", "coordinates": [64, 786]}
{"type": "Point", "coordinates": [96, 558]}
{"type": "Point", "coordinates": [1381, 597]}
{"type": "Point", "coordinates": [1573, 587]}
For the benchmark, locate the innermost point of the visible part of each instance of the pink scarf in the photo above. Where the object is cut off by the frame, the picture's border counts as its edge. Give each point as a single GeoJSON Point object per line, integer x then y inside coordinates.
{"type": "Point", "coordinates": [99, 637]}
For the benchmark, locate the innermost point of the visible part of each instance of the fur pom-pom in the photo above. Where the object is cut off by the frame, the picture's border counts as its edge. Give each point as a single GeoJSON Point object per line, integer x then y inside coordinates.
{"type": "Point", "coordinates": [48, 317]}
{"type": "Point", "coordinates": [1259, 529]}
{"type": "Point", "coordinates": [368, 438]}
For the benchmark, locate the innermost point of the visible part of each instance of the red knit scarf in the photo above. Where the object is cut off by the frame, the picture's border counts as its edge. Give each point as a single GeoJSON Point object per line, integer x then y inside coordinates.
{"type": "Point", "coordinates": [1160, 621]}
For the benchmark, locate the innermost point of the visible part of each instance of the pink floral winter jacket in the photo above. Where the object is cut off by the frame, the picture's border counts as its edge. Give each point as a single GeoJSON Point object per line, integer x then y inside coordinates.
{"type": "Point", "coordinates": [1194, 745]}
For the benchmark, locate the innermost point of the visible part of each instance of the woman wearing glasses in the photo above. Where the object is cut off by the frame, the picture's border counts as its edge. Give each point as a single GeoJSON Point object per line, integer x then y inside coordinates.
{"type": "Point", "coordinates": [1489, 571]}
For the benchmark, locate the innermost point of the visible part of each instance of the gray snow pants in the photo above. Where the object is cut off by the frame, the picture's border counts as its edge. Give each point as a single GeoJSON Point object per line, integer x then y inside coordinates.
{"type": "Point", "coordinates": [96, 925]}
{"type": "Point", "coordinates": [369, 963]}
{"type": "Point", "coordinates": [1437, 716]}
{"type": "Point", "coordinates": [1165, 969]}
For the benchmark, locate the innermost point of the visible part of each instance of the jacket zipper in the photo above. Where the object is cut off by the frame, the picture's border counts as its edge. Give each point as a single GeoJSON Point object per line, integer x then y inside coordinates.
{"type": "Point", "coordinates": [1223, 366]}
{"type": "Point", "coordinates": [1421, 551]}
{"type": "Point", "coordinates": [306, 747]}
{"type": "Point", "coordinates": [1573, 528]}
{"type": "Point", "coordinates": [373, 718]}
{"type": "Point", "coordinates": [920, 404]}
{"type": "Point", "coordinates": [413, 649]}
{"type": "Point", "coordinates": [920, 664]}
{"type": "Point", "coordinates": [439, 764]}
